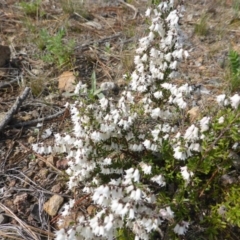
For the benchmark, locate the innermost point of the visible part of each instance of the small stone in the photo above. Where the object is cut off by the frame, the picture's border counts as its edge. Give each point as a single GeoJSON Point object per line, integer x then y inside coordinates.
{"type": "Point", "coordinates": [91, 210]}
{"type": "Point", "coordinates": [43, 173]}
{"type": "Point", "coordinates": [31, 139]}
{"type": "Point", "coordinates": [53, 204]}
{"type": "Point", "coordinates": [56, 188]}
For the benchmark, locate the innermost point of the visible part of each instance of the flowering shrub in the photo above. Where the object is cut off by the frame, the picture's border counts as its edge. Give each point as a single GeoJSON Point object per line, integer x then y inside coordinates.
{"type": "Point", "coordinates": [147, 168]}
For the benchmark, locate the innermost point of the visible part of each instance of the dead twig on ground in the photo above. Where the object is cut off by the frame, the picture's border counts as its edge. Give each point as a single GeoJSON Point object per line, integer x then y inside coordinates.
{"type": "Point", "coordinates": [24, 226]}
{"type": "Point", "coordinates": [101, 41]}
{"type": "Point", "coordinates": [130, 6]}
{"type": "Point", "coordinates": [32, 122]}
{"type": "Point", "coordinates": [9, 83]}
{"type": "Point", "coordinates": [44, 160]}
{"type": "Point", "coordinates": [14, 108]}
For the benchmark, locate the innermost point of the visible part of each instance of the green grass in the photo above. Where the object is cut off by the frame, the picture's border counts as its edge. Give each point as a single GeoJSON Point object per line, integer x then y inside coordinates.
{"type": "Point", "coordinates": [55, 50]}
{"type": "Point", "coordinates": [201, 28]}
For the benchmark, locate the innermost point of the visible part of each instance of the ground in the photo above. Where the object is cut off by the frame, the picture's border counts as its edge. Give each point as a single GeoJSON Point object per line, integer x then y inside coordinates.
{"type": "Point", "coordinates": [54, 43]}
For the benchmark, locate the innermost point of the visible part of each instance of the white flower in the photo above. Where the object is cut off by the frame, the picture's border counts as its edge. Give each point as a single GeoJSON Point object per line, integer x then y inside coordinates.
{"type": "Point", "coordinates": [159, 28]}
{"type": "Point", "coordinates": [195, 147]}
{"type": "Point", "coordinates": [103, 102]}
{"type": "Point", "coordinates": [136, 147]}
{"type": "Point", "coordinates": [60, 234]}
{"type": "Point", "coordinates": [151, 36]}
{"type": "Point", "coordinates": [191, 133]}
{"type": "Point", "coordinates": [148, 12]}
{"type": "Point", "coordinates": [136, 194]}
{"type": "Point", "coordinates": [156, 113]}
{"type": "Point", "coordinates": [144, 58]}
{"type": "Point", "coordinates": [147, 144]}
{"type": "Point", "coordinates": [220, 99]}
{"type": "Point", "coordinates": [179, 154]}
{"type": "Point", "coordinates": [136, 175]}
{"type": "Point", "coordinates": [235, 145]}
{"type": "Point", "coordinates": [159, 179]}
{"type": "Point", "coordinates": [181, 228]}
{"type": "Point", "coordinates": [173, 65]}
{"type": "Point", "coordinates": [186, 54]}
{"type": "Point", "coordinates": [131, 213]}
{"type": "Point", "coordinates": [147, 169]}
{"type": "Point", "coordinates": [235, 100]}
{"type": "Point", "coordinates": [204, 124]}
{"type": "Point", "coordinates": [158, 94]}
{"type": "Point", "coordinates": [186, 174]}
{"type": "Point", "coordinates": [167, 213]}
{"type": "Point", "coordinates": [221, 120]}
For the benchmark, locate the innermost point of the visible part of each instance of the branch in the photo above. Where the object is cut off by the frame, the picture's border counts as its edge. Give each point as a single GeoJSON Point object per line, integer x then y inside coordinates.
{"type": "Point", "coordinates": [8, 116]}
{"type": "Point", "coordinates": [27, 123]}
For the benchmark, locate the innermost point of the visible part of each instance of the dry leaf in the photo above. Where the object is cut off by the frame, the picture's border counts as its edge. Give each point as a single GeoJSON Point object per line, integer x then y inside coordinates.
{"type": "Point", "coordinates": [66, 82]}
{"type": "Point", "coordinates": [194, 113]}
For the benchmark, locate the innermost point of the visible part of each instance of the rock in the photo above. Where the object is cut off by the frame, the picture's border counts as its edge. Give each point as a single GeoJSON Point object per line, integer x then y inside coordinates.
{"type": "Point", "coordinates": [5, 54]}
{"type": "Point", "coordinates": [91, 210]}
{"type": "Point", "coordinates": [56, 188]}
{"type": "Point", "coordinates": [43, 173]}
{"type": "Point", "coordinates": [53, 204]}
{"type": "Point", "coordinates": [31, 140]}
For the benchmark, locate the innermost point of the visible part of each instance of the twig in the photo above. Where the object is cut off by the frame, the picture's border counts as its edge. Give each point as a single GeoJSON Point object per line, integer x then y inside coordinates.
{"type": "Point", "coordinates": [5, 84]}
{"type": "Point", "coordinates": [209, 180]}
{"type": "Point", "coordinates": [130, 6]}
{"type": "Point", "coordinates": [43, 232]}
{"type": "Point", "coordinates": [27, 123]}
{"type": "Point", "coordinates": [14, 108]}
{"type": "Point", "coordinates": [21, 223]}
{"type": "Point", "coordinates": [43, 159]}
{"type": "Point", "coordinates": [106, 39]}
{"type": "Point", "coordinates": [7, 236]}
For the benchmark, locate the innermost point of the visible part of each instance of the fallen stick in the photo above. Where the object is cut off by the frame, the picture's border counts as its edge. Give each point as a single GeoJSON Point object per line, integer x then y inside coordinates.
{"type": "Point", "coordinates": [87, 45]}
{"type": "Point", "coordinates": [130, 6]}
{"type": "Point", "coordinates": [5, 84]}
{"type": "Point", "coordinates": [8, 116]}
{"type": "Point", "coordinates": [39, 120]}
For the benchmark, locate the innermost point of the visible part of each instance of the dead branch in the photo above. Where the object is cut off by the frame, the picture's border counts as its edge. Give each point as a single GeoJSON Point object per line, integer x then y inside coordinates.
{"type": "Point", "coordinates": [39, 120]}
{"type": "Point", "coordinates": [5, 84]}
{"type": "Point", "coordinates": [14, 108]}
{"type": "Point", "coordinates": [106, 39]}
{"type": "Point", "coordinates": [20, 222]}
{"type": "Point", "coordinates": [130, 6]}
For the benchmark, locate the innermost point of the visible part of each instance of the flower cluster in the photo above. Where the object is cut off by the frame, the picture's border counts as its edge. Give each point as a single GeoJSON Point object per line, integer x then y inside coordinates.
{"type": "Point", "coordinates": [126, 153]}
